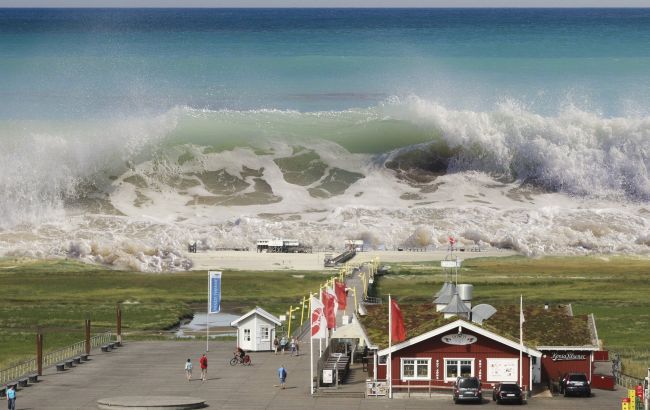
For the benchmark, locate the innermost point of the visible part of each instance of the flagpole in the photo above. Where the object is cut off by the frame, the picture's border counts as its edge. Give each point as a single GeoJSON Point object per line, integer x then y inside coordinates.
{"type": "Point", "coordinates": [521, 338]}
{"type": "Point", "coordinates": [389, 364]}
{"type": "Point", "coordinates": [207, 319]}
{"type": "Point", "coordinates": [311, 353]}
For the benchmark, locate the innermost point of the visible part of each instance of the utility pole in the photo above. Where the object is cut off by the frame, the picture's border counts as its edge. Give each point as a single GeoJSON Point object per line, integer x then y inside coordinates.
{"type": "Point", "coordinates": [39, 351]}
{"type": "Point", "coordinates": [118, 314]}
{"type": "Point", "coordinates": [87, 334]}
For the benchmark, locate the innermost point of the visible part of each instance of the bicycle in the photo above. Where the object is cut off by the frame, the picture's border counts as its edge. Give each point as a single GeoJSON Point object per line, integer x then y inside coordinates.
{"type": "Point", "coordinates": [237, 359]}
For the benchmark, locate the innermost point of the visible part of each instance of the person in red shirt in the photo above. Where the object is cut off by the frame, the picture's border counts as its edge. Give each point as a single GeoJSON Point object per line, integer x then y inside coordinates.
{"type": "Point", "coordinates": [203, 362]}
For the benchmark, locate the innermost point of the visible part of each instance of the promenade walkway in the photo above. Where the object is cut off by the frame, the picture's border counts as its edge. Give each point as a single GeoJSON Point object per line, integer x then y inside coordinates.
{"type": "Point", "coordinates": [156, 368]}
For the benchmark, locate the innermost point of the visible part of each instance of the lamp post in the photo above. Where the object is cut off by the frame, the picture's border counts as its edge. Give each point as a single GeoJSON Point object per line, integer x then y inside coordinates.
{"type": "Point", "coordinates": [291, 310]}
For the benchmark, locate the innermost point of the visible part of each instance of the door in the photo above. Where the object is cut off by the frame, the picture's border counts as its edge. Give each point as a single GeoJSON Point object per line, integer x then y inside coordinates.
{"type": "Point", "coordinates": [247, 341]}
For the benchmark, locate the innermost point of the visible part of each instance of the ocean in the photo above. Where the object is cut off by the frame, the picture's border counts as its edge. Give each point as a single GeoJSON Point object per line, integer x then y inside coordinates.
{"type": "Point", "coordinates": [127, 133]}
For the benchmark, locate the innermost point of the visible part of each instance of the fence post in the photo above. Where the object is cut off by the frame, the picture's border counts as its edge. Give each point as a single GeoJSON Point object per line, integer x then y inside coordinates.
{"type": "Point", "coordinates": [119, 324]}
{"type": "Point", "coordinates": [39, 351]}
{"type": "Point", "coordinates": [87, 328]}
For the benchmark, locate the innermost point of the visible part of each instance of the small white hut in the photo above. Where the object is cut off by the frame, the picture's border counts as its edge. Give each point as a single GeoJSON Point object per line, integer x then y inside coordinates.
{"type": "Point", "coordinates": [256, 330]}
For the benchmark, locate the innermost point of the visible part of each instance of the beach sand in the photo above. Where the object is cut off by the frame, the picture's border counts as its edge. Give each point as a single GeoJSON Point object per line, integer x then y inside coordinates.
{"type": "Point", "coordinates": [215, 260]}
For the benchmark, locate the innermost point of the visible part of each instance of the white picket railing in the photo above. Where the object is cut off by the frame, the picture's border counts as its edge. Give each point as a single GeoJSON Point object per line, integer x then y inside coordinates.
{"type": "Point", "coordinates": [26, 367]}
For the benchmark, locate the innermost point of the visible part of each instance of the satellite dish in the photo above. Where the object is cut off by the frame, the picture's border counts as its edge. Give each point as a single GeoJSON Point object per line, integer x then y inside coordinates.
{"type": "Point", "coordinates": [482, 312]}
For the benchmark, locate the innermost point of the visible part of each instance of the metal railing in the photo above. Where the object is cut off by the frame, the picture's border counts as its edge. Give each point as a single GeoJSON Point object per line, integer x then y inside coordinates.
{"type": "Point", "coordinates": [26, 367]}
{"type": "Point", "coordinates": [18, 370]}
{"type": "Point", "coordinates": [626, 381]}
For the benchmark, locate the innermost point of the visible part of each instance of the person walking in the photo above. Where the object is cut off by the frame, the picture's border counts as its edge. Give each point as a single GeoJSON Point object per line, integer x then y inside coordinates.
{"type": "Point", "coordinates": [292, 346]}
{"type": "Point", "coordinates": [11, 398]}
{"type": "Point", "coordinates": [188, 370]}
{"type": "Point", "coordinates": [203, 362]}
{"type": "Point", "coordinates": [283, 344]}
{"type": "Point", "coordinates": [282, 375]}
{"type": "Point", "coordinates": [276, 344]}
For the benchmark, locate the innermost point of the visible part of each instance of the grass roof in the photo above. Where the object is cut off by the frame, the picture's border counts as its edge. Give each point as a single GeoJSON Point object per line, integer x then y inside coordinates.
{"type": "Point", "coordinates": [552, 327]}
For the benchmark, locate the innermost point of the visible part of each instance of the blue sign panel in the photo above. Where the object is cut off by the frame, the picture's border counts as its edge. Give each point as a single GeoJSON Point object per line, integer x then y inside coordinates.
{"type": "Point", "coordinates": [214, 301]}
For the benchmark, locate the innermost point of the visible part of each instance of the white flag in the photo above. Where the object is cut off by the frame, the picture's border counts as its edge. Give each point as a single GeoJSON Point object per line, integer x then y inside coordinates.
{"type": "Point", "coordinates": [318, 320]}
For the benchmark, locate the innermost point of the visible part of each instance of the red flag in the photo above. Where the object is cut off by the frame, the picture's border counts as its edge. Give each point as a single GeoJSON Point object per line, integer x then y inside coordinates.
{"type": "Point", "coordinates": [452, 240]}
{"type": "Point", "coordinates": [330, 314]}
{"type": "Point", "coordinates": [339, 287]}
{"type": "Point", "coordinates": [398, 331]}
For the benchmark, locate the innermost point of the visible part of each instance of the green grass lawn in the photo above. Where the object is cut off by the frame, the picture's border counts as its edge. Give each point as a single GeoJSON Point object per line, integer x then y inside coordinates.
{"type": "Point", "coordinates": [615, 289]}
{"type": "Point", "coordinates": [59, 294]}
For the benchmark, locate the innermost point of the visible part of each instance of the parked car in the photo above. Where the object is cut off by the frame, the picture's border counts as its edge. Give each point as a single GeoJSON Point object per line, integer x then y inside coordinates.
{"type": "Point", "coordinates": [575, 383]}
{"type": "Point", "coordinates": [507, 392]}
{"type": "Point", "coordinates": [467, 389]}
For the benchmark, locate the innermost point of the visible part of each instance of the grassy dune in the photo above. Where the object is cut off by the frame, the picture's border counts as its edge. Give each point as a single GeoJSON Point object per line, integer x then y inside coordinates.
{"type": "Point", "coordinates": [614, 289]}
{"type": "Point", "coordinates": [58, 295]}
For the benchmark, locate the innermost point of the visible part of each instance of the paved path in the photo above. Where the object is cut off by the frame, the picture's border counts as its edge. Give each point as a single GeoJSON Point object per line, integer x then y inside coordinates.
{"type": "Point", "coordinates": [156, 368]}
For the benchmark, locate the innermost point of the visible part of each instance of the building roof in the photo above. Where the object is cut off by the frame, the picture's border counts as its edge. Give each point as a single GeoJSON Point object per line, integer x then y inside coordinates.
{"type": "Point", "coordinates": [258, 310]}
{"type": "Point", "coordinates": [548, 328]}
{"type": "Point", "coordinates": [461, 324]}
{"type": "Point", "coordinates": [445, 294]}
{"type": "Point", "coordinates": [456, 306]}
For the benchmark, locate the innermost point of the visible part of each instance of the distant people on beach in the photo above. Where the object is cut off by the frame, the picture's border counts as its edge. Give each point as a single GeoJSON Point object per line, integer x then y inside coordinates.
{"type": "Point", "coordinates": [282, 375]}
{"type": "Point", "coordinates": [203, 362]}
{"type": "Point", "coordinates": [276, 344]}
{"type": "Point", "coordinates": [188, 370]}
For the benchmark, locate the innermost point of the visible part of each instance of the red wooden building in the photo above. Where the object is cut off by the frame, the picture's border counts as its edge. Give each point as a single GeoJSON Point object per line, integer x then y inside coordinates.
{"type": "Point", "coordinates": [438, 349]}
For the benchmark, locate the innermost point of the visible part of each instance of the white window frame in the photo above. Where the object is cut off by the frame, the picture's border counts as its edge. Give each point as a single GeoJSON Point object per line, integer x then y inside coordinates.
{"type": "Point", "coordinates": [415, 373]}
{"type": "Point", "coordinates": [267, 330]}
{"type": "Point", "coordinates": [456, 359]}
{"type": "Point", "coordinates": [247, 335]}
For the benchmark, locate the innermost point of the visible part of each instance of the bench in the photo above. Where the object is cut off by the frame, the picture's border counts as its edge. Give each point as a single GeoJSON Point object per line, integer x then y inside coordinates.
{"type": "Point", "coordinates": [68, 364]}
{"type": "Point", "coordinates": [77, 360]}
{"type": "Point", "coordinates": [33, 378]}
{"type": "Point", "coordinates": [60, 367]}
{"type": "Point", "coordinates": [84, 357]}
{"type": "Point", "coordinates": [105, 348]}
{"type": "Point", "coordinates": [3, 391]}
{"type": "Point", "coordinates": [12, 384]}
{"type": "Point", "coordinates": [111, 345]}
{"type": "Point", "coordinates": [23, 382]}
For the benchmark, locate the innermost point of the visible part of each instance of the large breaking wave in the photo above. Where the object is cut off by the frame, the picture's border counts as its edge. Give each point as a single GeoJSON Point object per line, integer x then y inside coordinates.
{"type": "Point", "coordinates": [133, 191]}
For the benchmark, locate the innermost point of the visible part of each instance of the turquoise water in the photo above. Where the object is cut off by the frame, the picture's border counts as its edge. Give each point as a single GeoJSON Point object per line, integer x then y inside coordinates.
{"type": "Point", "coordinates": [80, 63]}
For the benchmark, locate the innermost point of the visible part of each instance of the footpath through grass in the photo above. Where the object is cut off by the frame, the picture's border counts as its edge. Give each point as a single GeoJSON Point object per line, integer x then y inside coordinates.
{"type": "Point", "coordinates": [59, 294]}
{"type": "Point", "coordinates": [614, 289]}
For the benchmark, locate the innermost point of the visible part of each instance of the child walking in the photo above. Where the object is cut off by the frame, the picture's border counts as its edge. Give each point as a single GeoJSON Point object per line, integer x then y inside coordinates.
{"type": "Point", "coordinates": [188, 370]}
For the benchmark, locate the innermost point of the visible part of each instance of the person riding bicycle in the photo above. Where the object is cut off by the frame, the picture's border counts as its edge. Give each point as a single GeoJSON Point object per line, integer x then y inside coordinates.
{"type": "Point", "coordinates": [240, 352]}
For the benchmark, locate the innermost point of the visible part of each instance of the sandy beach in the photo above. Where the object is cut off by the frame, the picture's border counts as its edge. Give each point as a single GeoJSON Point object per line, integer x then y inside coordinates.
{"type": "Point", "coordinates": [314, 261]}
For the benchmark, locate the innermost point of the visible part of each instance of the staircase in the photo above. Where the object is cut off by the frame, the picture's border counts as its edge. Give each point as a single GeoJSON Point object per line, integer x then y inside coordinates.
{"type": "Point", "coordinates": [352, 387]}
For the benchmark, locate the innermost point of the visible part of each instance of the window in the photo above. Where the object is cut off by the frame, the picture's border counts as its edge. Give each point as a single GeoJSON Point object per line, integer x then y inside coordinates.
{"type": "Point", "coordinates": [247, 335]}
{"type": "Point", "coordinates": [455, 368]}
{"type": "Point", "coordinates": [265, 333]}
{"type": "Point", "coordinates": [416, 369]}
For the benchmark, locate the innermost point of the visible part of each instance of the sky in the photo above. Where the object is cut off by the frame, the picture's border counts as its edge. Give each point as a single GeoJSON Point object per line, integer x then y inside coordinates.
{"type": "Point", "coordinates": [324, 3]}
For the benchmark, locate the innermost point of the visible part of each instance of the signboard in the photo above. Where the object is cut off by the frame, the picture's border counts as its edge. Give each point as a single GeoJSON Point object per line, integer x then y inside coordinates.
{"type": "Point", "coordinates": [502, 370]}
{"type": "Point", "coordinates": [450, 264]}
{"type": "Point", "coordinates": [567, 356]}
{"type": "Point", "coordinates": [214, 301]}
{"type": "Point", "coordinates": [376, 388]}
{"type": "Point", "coordinates": [328, 376]}
{"type": "Point", "coordinates": [459, 339]}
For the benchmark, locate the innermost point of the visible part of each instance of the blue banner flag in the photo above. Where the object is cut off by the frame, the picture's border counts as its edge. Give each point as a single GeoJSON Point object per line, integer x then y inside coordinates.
{"type": "Point", "coordinates": [214, 301]}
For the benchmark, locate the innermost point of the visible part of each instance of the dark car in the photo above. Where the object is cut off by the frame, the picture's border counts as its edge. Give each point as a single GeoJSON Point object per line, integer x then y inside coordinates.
{"type": "Point", "coordinates": [576, 384]}
{"type": "Point", "coordinates": [467, 389]}
{"type": "Point", "coordinates": [507, 392]}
